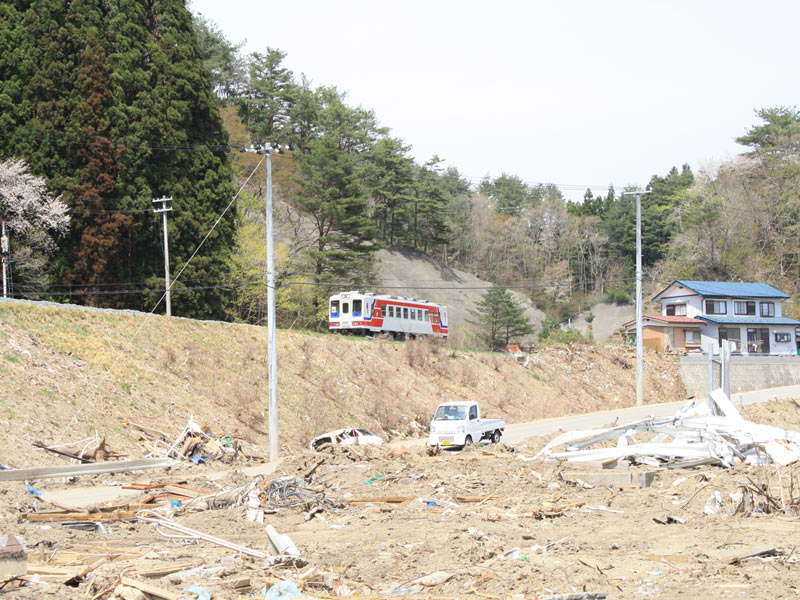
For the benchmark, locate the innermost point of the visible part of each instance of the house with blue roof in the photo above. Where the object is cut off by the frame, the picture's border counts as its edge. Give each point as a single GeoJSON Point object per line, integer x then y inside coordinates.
{"type": "Point", "coordinates": [696, 314]}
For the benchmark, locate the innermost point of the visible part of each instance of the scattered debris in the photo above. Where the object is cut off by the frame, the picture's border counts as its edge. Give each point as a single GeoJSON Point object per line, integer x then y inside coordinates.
{"type": "Point", "coordinates": [345, 437]}
{"type": "Point", "coordinates": [708, 431]}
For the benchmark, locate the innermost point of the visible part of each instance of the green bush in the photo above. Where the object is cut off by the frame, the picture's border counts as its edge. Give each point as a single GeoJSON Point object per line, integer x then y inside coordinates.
{"type": "Point", "coordinates": [569, 336]}
{"type": "Point", "coordinates": [619, 297]}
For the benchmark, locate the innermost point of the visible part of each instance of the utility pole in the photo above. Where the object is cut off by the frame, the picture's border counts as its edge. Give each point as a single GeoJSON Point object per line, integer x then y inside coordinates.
{"type": "Point", "coordinates": [164, 210]}
{"type": "Point", "coordinates": [639, 344]}
{"type": "Point", "coordinates": [274, 445]}
{"type": "Point", "coordinates": [4, 252]}
{"type": "Point", "coordinates": [272, 345]}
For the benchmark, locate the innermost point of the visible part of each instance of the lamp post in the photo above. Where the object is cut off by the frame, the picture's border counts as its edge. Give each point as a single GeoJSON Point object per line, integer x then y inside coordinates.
{"type": "Point", "coordinates": [272, 355]}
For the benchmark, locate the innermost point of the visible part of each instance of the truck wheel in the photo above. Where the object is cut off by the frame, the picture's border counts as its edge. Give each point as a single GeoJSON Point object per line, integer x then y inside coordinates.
{"type": "Point", "coordinates": [468, 441]}
{"type": "Point", "coordinates": [496, 436]}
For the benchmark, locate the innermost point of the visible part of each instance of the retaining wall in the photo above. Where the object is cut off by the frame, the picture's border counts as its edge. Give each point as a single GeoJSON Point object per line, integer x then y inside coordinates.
{"type": "Point", "coordinates": [748, 373]}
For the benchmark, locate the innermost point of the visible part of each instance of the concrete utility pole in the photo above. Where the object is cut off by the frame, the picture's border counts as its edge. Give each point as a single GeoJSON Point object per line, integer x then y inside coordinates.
{"type": "Point", "coordinates": [639, 344]}
{"type": "Point", "coordinates": [164, 210]}
{"type": "Point", "coordinates": [4, 252]}
{"type": "Point", "coordinates": [274, 445]}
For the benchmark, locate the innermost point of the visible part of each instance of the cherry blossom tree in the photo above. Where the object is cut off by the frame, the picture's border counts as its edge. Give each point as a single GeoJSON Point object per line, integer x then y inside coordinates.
{"type": "Point", "coordinates": [34, 220]}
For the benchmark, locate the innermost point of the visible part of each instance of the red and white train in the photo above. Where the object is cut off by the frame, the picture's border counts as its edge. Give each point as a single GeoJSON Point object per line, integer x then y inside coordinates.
{"type": "Point", "coordinates": [365, 313]}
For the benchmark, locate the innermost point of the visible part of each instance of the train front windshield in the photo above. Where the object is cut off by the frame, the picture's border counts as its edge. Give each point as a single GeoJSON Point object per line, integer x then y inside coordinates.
{"type": "Point", "coordinates": [334, 308]}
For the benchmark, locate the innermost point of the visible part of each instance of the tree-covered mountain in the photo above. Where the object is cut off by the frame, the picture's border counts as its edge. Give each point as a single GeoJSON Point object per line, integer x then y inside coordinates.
{"type": "Point", "coordinates": [111, 103]}
{"type": "Point", "coordinates": [118, 102]}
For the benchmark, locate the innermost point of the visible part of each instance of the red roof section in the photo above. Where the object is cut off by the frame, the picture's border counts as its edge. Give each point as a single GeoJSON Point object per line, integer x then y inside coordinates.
{"type": "Point", "coordinates": [669, 320]}
{"type": "Point", "coordinates": [676, 319]}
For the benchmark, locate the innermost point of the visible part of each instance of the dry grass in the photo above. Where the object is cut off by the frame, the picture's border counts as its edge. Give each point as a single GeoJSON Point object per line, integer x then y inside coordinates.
{"type": "Point", "coordinates": [58, 380]}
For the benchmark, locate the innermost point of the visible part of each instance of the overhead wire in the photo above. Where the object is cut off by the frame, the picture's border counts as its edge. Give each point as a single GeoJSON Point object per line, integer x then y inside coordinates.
{"type": "Point", "coordinates": [138, 331]}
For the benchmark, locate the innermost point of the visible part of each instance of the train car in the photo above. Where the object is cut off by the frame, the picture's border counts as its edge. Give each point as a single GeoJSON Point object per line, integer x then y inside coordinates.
{"type": "Point", "coordinates": [365, 313]}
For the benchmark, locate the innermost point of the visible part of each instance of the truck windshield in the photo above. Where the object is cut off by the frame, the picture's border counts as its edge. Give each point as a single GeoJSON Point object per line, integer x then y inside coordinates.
{"type": "Point", "coordinates": [451, 413]}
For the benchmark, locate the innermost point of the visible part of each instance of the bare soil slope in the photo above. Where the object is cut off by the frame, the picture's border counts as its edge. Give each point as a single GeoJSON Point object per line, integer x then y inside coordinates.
{"type": "Point", "coordinates": [420, 276]}
{"type": "Point", "coordinates": [68, 371]}
{"type": "Point", "coordinates": [608, 318]}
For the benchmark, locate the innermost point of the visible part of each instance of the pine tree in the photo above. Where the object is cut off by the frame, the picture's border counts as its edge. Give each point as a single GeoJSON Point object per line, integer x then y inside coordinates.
{"type": "Point", "coordinates": [329, 194]}
{"type": "Point", "coordinates": [500, 318]}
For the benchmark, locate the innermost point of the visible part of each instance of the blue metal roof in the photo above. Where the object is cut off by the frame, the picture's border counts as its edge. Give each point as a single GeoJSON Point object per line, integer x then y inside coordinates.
{"type": "Point", "coordinates": [726, 320]}
{"type": "Point", "coordinates": [727, 289]}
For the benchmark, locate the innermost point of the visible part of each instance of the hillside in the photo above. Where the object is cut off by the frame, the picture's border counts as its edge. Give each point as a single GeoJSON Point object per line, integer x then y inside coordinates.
{"type": "Point", "coordinates": [417, 275]}
{"type": "Point", "coordinates": [68, 371]}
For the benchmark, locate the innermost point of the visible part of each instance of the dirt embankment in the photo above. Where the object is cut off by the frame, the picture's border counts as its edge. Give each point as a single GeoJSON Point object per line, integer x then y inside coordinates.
{"type": "Point", "coordinates": [68, 371]}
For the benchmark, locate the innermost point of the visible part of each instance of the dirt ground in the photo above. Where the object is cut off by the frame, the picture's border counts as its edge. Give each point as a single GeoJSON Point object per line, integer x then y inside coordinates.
{"type": "Point", "coordinates": [482, 523]}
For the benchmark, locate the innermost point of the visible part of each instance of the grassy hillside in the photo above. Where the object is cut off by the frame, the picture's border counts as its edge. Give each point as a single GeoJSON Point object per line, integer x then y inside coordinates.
{"type": "Point", "coordinates": [67, 371]}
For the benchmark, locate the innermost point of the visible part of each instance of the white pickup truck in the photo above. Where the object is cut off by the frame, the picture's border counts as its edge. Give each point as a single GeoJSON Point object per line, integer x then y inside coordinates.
{"type": "Point", "coordinates": [460, 424]}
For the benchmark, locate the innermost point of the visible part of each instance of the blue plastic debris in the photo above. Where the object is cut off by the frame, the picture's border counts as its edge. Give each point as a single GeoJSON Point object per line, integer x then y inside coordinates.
{"type": "Point", "coordinates": [281, 591]}
{"type": "Point", "coordinates": [197, 459]}
{"type": "Point", "coordinates": [430, 503]}
{"type": "Point", "coordinates": [372, 479]}
{"type": "Point", "coordinates": [202, 593]}
{"type": "Point", "coordinates": [33, 490]}
{"type": "Point", "coordinates": [175, 503]}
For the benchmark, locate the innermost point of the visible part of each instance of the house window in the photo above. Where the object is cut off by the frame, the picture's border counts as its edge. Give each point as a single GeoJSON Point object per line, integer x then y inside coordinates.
{"type": "Point", "coordinates": [758, 340]}
{"type": "Point", "coordinates": [745, 308]}
{"type": "Point", "coordinates": [767, 309]}
{"type": "Point", "coordinates": [716, 307]}
{"type": "Point", "coordinates": [692, 336]}
{"type": "Point", "coordinates": [733, 334]}
{"type": "Point", "coordinates": [782, 337]}
{"type": "Point", "coordinates": [676, 310]}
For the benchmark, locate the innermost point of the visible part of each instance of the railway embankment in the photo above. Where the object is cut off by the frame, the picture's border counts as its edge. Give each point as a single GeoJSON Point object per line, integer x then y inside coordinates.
{"type": "Point", "coordinates": [67, 372]}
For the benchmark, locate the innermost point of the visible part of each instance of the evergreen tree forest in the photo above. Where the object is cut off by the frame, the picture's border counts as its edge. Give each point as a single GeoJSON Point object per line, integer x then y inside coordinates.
{"type": "Point", "coordinates": [116, 103]}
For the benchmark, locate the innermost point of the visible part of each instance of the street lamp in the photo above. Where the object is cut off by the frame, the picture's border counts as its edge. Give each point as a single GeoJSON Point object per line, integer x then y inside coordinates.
{"type": "Point", "coordinates": [272, 370]}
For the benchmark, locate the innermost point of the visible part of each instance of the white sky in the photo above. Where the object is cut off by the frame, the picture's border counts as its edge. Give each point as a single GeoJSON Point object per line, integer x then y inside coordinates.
{"type": "Point", "coordinates": [583, 93]}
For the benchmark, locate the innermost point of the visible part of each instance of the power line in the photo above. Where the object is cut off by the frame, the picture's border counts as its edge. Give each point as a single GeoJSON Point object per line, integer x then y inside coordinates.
{"type": "Point", "coordinates": [329, 284]}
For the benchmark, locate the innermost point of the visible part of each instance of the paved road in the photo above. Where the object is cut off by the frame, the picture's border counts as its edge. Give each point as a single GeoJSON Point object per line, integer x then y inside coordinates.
{"type": "Point", "coordinates": [517, 432]}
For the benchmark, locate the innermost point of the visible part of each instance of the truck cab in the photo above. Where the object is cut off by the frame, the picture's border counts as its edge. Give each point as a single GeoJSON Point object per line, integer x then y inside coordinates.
{"type": "Point", "coordinates": [460, 424]}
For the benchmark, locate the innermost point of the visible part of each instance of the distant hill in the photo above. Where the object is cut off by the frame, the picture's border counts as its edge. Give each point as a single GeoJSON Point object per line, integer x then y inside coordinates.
{"type": "Point", "coordinates": [417, 275]}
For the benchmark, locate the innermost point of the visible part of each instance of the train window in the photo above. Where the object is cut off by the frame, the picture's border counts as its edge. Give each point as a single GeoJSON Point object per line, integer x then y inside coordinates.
{"type": "Point", "coordinates": [335, 308]}
{"type": "Point", "coordinates": [413, 315]}
{"type": "Point", "coordinates": [390, 310]}
{"type": "Point", "coordinates": [419, 314]}
{"type": "Point", "coordinates": [345, 308]}
{"type": "Point", "coordinates": [356, 308]}
{"type": "Point", "coordinates": [405, 312]}
{"type": "Point", "coordinates": [427, 317]}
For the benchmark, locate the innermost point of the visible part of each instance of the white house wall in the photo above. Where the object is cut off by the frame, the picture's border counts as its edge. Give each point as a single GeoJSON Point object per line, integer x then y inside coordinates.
{"type": "Point", "coordinates": [693, 302]}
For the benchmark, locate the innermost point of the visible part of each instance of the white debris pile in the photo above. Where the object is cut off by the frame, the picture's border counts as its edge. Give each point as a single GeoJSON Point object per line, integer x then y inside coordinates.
{"type": "Point", "coordinates": [709, 431]}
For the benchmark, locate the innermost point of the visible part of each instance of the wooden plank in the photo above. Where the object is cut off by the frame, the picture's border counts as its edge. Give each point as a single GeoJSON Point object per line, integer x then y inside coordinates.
{"type": "Point", "coordinates": [381, 499]}
{"type": "Point", "coordinates": [149, 589]}
{"type": "Point", "coordinates": [167, 569]}
{"type": "Point", "coordinates": [186, 491]}
{"type": "Point", "coordinates": [82, 516]}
